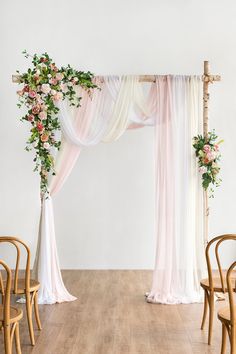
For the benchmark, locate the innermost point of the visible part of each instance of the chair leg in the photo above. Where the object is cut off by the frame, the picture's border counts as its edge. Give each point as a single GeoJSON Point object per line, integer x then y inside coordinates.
{"type": "Point", "coordinates": [29, 317]}
{"type": "Point", "coordinates": [233, 340]}
{"type": "Point", "coordinates": [17, 339]}
{"type": "Point", "coordinates": [223, 343]}
{"type": "Point", "coordinates": [211, 315]}
{"type": "Point", "coordinates": [36, 311]}
{"type": "Point", "coordinates": [7, 339]}
{"type": "Point", "coordinates": [205, 309]}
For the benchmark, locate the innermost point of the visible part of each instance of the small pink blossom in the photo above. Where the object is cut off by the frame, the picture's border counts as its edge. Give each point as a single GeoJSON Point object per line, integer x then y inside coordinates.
{"type": "Point", "coordinates": [30, 117]}
{"type": "Point", "coordinates": [45, 88]}
{"type": "Point", "coordinates": [32, 94]}
{"type": "Point", "coordinates": [40, 127]}
{"type": "Point", "coordinates": [46, 146]}
{"type": "Point", "coordinates": [216, 146]}
{"type": "Point", "coordinates": [58, 96]}
{"type": "Point", "coordinates": [44, 138]}
{"type": "Point", "coordinates": [202, 169]}
{"type": "Point", "coordinates": [20, 92]}
{"type": "Point", "coordinates": [53, 81]}
{"type": "Point", "coordinates": [63, 87]}
{"type": "Point", "coordinates": [26, 88]}
{"type": "Point", "coordinates": [43, 115]}
{"type": "Point", "coordinates": [211, 155]}
{"type": "Point", "coordinates": [206, 148]}
{"type": "Point", "coordinates": [36, 109]}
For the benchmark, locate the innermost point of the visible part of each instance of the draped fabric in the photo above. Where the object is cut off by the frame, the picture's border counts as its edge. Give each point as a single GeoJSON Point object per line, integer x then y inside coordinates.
{"type": "Point", "coordinates": [172, 105]}
{"type": "Point", "coordinates": [179, 253]}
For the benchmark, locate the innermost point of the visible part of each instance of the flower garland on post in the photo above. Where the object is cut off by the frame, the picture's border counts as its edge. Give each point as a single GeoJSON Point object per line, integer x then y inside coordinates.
{"type": "Point", "coordinates": [44, 86]}
{"type": "Point", "coordinates": [208, 155]}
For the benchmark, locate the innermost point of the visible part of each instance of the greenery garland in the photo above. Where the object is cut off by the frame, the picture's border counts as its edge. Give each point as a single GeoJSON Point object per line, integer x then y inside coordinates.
{"type": "Point", "coordinates": [44, 86]}
{"type": "Point", "coordinates": [208, 154]}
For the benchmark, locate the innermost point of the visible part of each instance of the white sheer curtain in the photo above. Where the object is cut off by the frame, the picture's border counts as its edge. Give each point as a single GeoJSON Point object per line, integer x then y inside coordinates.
{"type": "Point", "coordinates": [173, 105]}
{"type": "Point", "coordinates": [180, 251]}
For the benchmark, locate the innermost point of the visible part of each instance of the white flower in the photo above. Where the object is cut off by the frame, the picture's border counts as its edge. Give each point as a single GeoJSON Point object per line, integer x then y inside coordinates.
{"type": "Point", "coordinates": [37, 72]}
{"type": "Point", "coordinates": [63, 87]}
{"type": "Point", "coordinates": [43, 115]}
{"type": "Point", "coordinates": [53, 92]}
{"type": "Point", "coordinates": [59, 76]}
{"type": "Point", "coordinates": [45, 88]}
{"type": "Point", "coordinates": [49, 76]}
{"type": "Point", "coordinates": [46, 146]}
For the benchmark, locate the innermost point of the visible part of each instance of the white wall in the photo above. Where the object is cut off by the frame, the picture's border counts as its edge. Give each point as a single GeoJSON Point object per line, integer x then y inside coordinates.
{"type": "Point", "coordinates": [105, 213]}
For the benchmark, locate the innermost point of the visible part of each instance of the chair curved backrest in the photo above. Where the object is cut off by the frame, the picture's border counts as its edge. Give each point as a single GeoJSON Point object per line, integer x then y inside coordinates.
{"type": "Point", "coordinates": [17, 243]}
{"type": "Point", "coordinates": [6, 291]}
{"type": "Point", "coordinates": [231, 293]}
{"type": "Point", "coordinates": [217, 241]}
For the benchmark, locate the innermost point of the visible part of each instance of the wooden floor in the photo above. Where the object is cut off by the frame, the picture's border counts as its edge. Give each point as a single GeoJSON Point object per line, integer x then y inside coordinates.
{"type": "Point", "coordinates": [112, 317]}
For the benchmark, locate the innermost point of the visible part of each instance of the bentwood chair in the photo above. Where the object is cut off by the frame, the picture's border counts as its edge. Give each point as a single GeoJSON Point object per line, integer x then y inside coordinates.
{"type": "Point", "coordinates": [9, 316]}
{"type": "Point", "coordinates": [213, 284]}
{"type": "Point", "coordinates": [25, 286]}
{"type": "Point", "coordinates": [227, 315]}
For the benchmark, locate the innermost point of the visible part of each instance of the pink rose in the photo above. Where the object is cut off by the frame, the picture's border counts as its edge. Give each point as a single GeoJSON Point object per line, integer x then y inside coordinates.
{"type": "Point", "coordinates": [46, 146]}
{"type": "Point", "coordinates": [43, 115]}
{"type": "Point", "coordinates": [40, 126]}
{"type": "Point", "coordinates": [45, 88]}
{"type": "Point", "coordinates": [30, 117]}
{"type": "Point", "coordinates": [26, 88]}
{"type": "Point", "coordinates": [36, 109]}
{"type": "Point", "coordinates": [58, 96]}
{"type": "Point", "coordinates": [53, 81]}
{"type": "Point", "coordinates": [206, 148]}
{"type": "Point", "coordinates": [32, 94]}
{"type": "Point", "coordinates": [216, 146]}
{"type": "Point", "coordinates": [211, 155]}
{"type": "Point", "coordinates": [44, 138]}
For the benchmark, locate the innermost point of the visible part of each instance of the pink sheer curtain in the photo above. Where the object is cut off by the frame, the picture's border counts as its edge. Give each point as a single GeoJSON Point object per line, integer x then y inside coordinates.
{"type": "Point", "coordinates": [180, 252]}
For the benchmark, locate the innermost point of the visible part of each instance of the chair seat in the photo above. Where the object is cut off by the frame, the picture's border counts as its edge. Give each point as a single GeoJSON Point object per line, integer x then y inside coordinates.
{"type": "Point", "coordinates": [15, 314]}
{"type": "Point", "coordinates": [224, 314]}
{"type": "Point", "coordinates": [217, 283]}
{"type": "Point", "coordinates": [34, 285]}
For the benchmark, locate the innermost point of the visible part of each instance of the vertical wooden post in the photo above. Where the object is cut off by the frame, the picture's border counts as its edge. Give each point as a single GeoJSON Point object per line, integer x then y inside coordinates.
{"type": "Point", "coordinates": [205, 133]}
{"type": "Point", "coordinates": [207, 78]}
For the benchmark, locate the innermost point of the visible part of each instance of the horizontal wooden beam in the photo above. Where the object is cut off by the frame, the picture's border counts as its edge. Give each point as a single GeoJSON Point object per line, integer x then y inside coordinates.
{"type": "Point", "coordinates": [142, 78]}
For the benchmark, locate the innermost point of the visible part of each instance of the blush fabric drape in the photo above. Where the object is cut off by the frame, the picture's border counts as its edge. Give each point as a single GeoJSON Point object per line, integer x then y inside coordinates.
{"type": "Point", "coordinates": [173, 106]}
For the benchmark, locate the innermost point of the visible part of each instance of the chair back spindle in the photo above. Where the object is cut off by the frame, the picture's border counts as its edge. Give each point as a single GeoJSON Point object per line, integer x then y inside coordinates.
{"type": "Point", "coordinates": [231, 293]}
{"type": "Point", "coordinates": [217, 241]}
{"type": "Point", "coordinates": [17, 243]}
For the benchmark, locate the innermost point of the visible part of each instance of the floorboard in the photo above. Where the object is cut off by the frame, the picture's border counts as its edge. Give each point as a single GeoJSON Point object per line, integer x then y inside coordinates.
{"type": "Point", "coordinates": [112, 317]}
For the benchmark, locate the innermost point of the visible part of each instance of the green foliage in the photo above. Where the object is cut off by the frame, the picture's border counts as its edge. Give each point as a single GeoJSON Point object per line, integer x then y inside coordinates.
{"type": "Point", "coordinates": [208, 155]}
{"type": "Point", "coordinates": [43, 86]}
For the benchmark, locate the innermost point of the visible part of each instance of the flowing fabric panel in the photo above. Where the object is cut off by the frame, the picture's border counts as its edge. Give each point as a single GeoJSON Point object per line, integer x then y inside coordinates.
{"type": "Point", "coordinates": [103, 117]}
{"type": "Point", "coordinates": [173, 105]}
{"type": "Point", "coordinates": [180, 247]}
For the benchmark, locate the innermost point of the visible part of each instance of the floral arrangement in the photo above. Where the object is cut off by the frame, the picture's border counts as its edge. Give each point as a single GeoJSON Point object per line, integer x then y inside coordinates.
{"type": "Point", "coordinates": [208, 154]}
{"type": "Point", "coordinates": [44, 85]}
